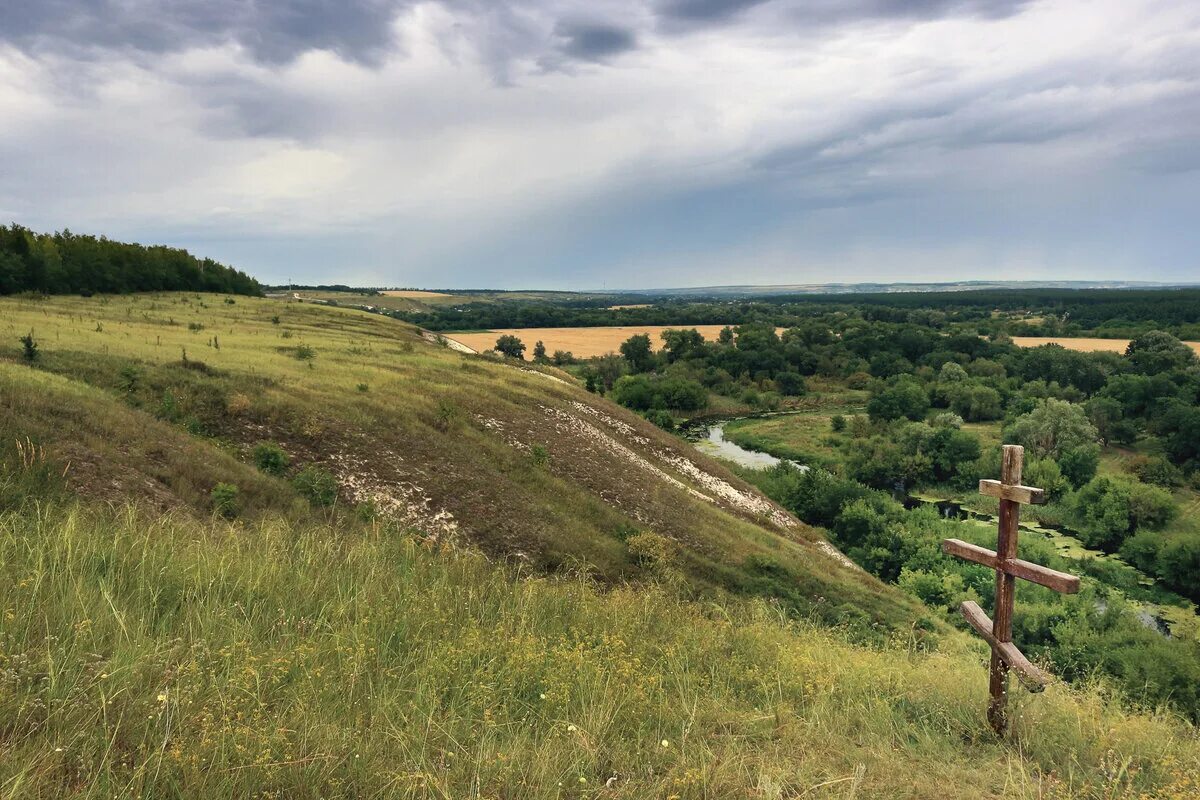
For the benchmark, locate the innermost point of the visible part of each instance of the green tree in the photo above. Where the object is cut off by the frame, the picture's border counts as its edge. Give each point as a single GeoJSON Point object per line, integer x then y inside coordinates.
{"type": "Point", "coordinates": [904, 398]}
{"type": "Point", "coordinates": [539, 352]}
{"type": "Point", "coordinates": [974, 402]}
{"type": "Point", "coordinates": [1053, 427]}
{"type": "Point", "coordinates": [510, 346]}
{"type": "Point", "coordinates": [679, 344]}
{"type": "Point", "coordinates": [636, 350]}
{"type": "Point", "coordinates": [1159, 351]}
{"type": "Point", "coordinates": [1179, 564]}
{"type": "Point", "coordinates": [1107, 510]}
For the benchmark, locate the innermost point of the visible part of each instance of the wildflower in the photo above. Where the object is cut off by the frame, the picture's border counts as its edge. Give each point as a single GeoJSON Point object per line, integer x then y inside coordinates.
{"type": "Point", "coordinates": [582, 779]}
{"type": "Point", "coordinates": [572, 728]}
{"type": "Point", "coordinates": [162, 697]}
{"type": "Point", "coordinates": [542, 695]}
{"type": "Point", "coordinates": [666, 743]}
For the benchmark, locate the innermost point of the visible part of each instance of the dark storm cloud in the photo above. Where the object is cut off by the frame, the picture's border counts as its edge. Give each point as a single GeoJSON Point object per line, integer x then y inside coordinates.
{"type": "Point", "coordinates": [595, 42]}
{"type": "Point", "coordinates": [275, 31]}
{"type": "Point", "coordinates": [705, 10]}
{"type": "Point", "coordinates": [827, 12]}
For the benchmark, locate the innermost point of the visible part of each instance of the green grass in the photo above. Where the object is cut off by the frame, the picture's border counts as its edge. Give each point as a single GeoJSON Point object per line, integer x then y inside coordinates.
{"type": "Point", "coordinates": [149, 655]}
{"type": "Point", "coordinates": [441, 441]}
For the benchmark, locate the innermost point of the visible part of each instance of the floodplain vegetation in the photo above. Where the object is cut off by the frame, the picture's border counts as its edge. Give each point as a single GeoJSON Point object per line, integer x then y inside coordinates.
{"type": "Point", "coordinates": [254, 548]}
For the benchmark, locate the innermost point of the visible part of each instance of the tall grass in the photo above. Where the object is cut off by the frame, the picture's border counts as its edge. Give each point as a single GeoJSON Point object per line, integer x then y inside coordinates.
{"type": "Point", "coordinates": [159, 656]}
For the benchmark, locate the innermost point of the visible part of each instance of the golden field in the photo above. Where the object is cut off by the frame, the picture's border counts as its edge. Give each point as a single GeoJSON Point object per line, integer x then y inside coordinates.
{"type": "Point", "coordinates": [580, 342]}
{"type": "Point", "coordinates": [414, 293]}
{"type": "Point", "coordinates": [1083, 343]}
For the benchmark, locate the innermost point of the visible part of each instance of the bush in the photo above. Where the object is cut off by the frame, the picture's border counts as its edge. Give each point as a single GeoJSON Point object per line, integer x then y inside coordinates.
{"type": "Point", "coordinates": [540, 456]}
{"type": "Point", "coordinates": [317, 485]}
{"type": "Point", "coordinates": [1157, 471]}
{"type": "Point", "coordinates": [661, 418]}
{"type": "Point", "coordinates": [225, 500]}
{"type": "Point", "coordinates": [650, 550]}
{"type": "Point", "coordinates": [837, 423]}
{"type": "Point", "coordinates": [270, 458]}
{"type": "Point", "coordinates": [305, 353]}
{"type": "Point", "coordinates": [448, 415]}
{"type": "Point", "coordinates": [644, 392]}
{"type": "Point", "coordinates": [29, 348]}
{"type": "Point", "coordinates": [790, 384]}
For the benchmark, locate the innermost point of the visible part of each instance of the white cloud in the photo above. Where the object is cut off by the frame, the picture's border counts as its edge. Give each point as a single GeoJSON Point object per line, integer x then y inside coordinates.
{"type": "Point", "coordinates": [476, 136]}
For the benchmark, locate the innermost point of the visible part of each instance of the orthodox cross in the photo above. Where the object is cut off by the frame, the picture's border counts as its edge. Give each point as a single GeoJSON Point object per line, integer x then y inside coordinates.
{"type": "Point", "coordinates": [998, 633]}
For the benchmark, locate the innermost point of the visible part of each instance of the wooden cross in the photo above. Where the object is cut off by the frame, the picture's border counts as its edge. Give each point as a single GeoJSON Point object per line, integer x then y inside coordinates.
{"type": "Point", "coordinates": [1008, 568]}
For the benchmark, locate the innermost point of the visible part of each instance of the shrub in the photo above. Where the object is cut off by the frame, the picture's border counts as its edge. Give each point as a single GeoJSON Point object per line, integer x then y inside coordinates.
{"type": "Point", "coordinates": [790, 384]}
{"type": "Point", "coordinates": [270, 458]}
{"type": "Point", "coordinates": [661, 418]}
{"type": "Point", "coordinates": [29, 348]}
{"type": "Point", "coordinates": [837, 423]}
{"type": "Point", "coordinates": [225, 500]}
{"type": "Point", "coordinates": [362, 387]}
{"type": "Point", "coordinates": [129, 378]}
{"type": "Point", "coordinates": [644, 392]}
{"type": "Point", "coordinates": [1157, 471]}
{"type": "Point", "coordinates": [858, 380]}
{"type": "Point", "coordinates": [195, 327]}
{"type": "Point", "coordinates": [447, 415]}
{"type": "Point", "coordinates": [539, 455]}
{"type": "Point", "coordinates": [237, 404]}
{"type": "Point", "coordinates": [650, 550]}
{"type": "Point", "coordinates": [317, 485]}
{"type": "Point", "coordinates": [305, 353]}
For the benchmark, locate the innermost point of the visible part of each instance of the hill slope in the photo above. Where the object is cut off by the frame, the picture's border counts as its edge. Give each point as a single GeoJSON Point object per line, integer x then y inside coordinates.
{"type": "Point", "coordinates": [134, 392]}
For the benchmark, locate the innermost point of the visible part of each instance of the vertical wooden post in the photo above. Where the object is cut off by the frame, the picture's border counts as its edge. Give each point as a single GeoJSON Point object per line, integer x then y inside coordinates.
{"type": "Point", "coordinates": [1006, 550]}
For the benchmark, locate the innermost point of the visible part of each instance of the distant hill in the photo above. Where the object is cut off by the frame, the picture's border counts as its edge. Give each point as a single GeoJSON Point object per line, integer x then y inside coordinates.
{"type": "Point", "coordinates": [883, 288]}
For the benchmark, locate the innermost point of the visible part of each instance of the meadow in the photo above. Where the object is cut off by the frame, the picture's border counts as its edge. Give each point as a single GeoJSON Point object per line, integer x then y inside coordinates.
{"type": "Point", "coordinates": [161, 655]}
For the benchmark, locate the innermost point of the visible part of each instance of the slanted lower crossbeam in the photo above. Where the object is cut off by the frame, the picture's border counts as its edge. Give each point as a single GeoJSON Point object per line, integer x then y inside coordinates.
{"type": "Point", "coordinates": [1031, 676]}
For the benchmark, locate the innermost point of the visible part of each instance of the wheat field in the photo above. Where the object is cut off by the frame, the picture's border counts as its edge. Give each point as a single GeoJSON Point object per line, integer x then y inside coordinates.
{"type": "Point", "coordinates": [1083, 344]}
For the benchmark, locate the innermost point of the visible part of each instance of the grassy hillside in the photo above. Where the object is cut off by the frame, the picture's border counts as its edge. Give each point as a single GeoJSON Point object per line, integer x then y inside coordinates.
{"type": "Point", "coordinates": [508, 588]}
{"type": "Point", "coordinates": [162, 397]}
{"type": "Point", "coordinates": [158, 656]}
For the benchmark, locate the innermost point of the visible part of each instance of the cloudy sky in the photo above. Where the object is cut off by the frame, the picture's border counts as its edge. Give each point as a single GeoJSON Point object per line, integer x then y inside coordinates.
{"type": "Point", "coordinates": [614, 143]}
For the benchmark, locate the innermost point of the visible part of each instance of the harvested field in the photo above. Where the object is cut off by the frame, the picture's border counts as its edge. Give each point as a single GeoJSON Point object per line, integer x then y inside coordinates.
{"type": "Point", "coordinates": [1082, 343]}
{"type": "Point", "coordinates": [419, 294]}
{"type": "Point", "coordinates": [582, 342]}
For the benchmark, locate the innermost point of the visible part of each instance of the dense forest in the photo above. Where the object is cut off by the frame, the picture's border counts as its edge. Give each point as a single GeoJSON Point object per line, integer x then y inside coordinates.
{"type": "Point", "coordinates": [68, 263]}
{"type": "Point", "coordinates": [1110, 313]}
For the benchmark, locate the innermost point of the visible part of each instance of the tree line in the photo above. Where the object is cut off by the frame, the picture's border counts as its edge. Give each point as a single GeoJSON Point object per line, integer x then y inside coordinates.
{"type": "Point", "coordinates": [1116, 313]}
{"type": "Point", "coordinates": [69, 263]}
